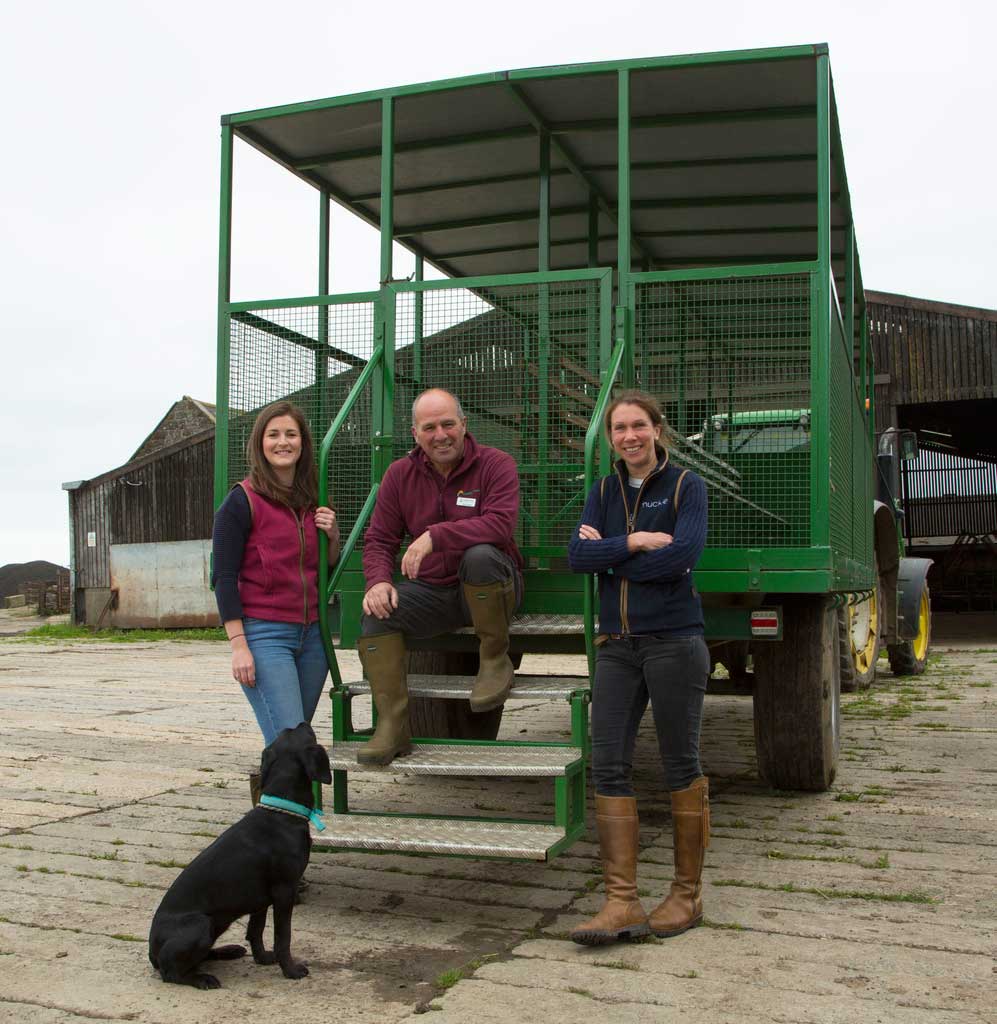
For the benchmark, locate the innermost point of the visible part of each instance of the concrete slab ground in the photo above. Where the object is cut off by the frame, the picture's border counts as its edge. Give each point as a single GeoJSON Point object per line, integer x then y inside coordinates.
{"type": "Point", "coordinates": [873, 902]}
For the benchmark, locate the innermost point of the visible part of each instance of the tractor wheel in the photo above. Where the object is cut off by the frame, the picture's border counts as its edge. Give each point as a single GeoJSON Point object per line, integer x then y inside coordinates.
{"type": "Point", "coordinates": [441, 718]}
{"type": "Point", "coordinates": [910, 657]}
{"type": "Point", "coordinates": [859, 642]}
{"type": "Point", "coordinates": [797, 698]}
{"type": "Point", "coordinates": [734, 658]}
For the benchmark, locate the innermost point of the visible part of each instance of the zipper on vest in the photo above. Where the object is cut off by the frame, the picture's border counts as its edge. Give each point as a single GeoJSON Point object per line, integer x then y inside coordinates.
{"type": "Point", "coordinates": [301, 563]}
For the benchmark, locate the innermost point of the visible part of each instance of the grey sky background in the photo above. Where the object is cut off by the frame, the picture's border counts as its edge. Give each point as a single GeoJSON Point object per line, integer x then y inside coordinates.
{"type": "Point", "coordinates": [109, 198]}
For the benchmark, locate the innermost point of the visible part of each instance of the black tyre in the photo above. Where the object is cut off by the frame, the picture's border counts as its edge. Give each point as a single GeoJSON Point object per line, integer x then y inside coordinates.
{"type": "Point", "coordinates": [440, 718]}
{"type": "Point", "coordinates": [910, 657]}
{"type": "Point", "coordinates": [797, 698]}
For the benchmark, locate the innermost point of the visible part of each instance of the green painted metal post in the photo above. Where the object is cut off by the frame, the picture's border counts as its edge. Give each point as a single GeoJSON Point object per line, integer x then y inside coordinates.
{"type": "Point", "coordinates": [544, 361]}
{"type": "Point", "coordinates": [593, 362]}
{"type": "Point", "coordinates": [543, 232]}
{"type": "Point", "coordinates": [224, 296]}
{"type": "Point", "coordinates": [623, 175]}
{"type": "Point", "coordinates": [849, 317]}
{"type": "Point", "coordinates": [384, 385]}
{"type": "Point", "coordinates": [322, 352]}
{"type": "Point", "coordinates": [387, 186]}
{"type": "Point", "coordinates": [623, 234]}
{"type": "Point", "coordinates": [418, 298]}
{"type": "Point", "coordinates": [593, 230]}
{"type": "Point", "coordinates": [820, 320]}
{"type": "Point", "coordinates": [859, 468]}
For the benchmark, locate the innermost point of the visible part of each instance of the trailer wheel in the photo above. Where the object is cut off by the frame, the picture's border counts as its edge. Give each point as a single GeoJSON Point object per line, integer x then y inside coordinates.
{"type": "Point", "coordinates": [910, 657]}
{"type": "Point", "coordinates": [440, 718]}
{"type": "Point", "coordinates": [859, 642]}
{"type": "Point", "coordinates": [797, 698]}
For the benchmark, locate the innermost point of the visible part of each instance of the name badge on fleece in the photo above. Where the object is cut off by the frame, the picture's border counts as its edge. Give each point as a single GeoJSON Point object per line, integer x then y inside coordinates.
{"type": "Point", "coordinates": [467, 499]}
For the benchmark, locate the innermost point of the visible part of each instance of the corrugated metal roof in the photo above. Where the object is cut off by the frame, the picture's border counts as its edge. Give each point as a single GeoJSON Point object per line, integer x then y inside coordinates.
{"type": "Point", "coordinates": [723, 155]}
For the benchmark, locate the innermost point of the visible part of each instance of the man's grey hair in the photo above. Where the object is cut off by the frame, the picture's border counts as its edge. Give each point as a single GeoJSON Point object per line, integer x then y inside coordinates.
{"type": "Point", "coordinates": [422, 394]}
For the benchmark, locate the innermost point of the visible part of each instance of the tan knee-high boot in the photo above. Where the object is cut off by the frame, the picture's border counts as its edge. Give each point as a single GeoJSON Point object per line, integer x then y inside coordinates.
{"type": "Point", "coordinates": [383, 660]}
{"type": "Point", "coordinates": [683, 907]}
{"type": "Point", "coordinates": [255, 787]}
{"type": "Point", "coordinates": [622, 916]}
{"type": "Point", "coordinates": [491, 606]}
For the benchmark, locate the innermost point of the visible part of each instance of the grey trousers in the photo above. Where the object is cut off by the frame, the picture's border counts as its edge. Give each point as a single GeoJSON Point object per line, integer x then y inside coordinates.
{"type": "Point", "coordinates": [670, 672]}
{"type": "Point", "coordinates": [427, 609]}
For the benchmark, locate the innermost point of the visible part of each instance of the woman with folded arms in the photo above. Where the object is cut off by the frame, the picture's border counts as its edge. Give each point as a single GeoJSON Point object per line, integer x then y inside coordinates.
{"type": "Point", "coordinates": [642, 531]}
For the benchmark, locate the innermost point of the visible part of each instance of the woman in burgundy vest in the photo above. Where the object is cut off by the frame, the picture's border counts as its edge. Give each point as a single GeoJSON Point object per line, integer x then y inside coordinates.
{"type": "Point", "coordinates": [265, 572]}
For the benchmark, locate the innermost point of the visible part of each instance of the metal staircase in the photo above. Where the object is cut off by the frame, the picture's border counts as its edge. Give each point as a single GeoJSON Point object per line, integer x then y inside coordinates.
{"type": "Point", "coordinates": [468, 836]}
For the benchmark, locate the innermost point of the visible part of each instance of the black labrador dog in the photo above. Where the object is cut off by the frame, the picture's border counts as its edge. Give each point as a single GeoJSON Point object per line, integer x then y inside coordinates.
{"type": "Point", "coordinates": [254, 864]}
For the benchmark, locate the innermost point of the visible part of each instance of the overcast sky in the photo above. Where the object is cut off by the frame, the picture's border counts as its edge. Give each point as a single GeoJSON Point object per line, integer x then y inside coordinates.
{"type": "Point", "coordinates": [109, 198]}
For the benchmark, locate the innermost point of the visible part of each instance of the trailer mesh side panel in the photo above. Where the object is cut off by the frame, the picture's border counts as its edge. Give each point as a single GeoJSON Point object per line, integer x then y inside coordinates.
{"type": "Point", "coordinates": [276, 354]}
{"type": "Point", "coordinates": [850, 512]}
{"type": "Point", "coordinates": [523, 360]}
{"type": "Point", "coordinates": [729, 359]}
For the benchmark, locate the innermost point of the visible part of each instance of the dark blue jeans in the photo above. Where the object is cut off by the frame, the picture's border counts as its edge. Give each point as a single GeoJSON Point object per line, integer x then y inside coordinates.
{"type": "Point", "coordinates": [671, 672]}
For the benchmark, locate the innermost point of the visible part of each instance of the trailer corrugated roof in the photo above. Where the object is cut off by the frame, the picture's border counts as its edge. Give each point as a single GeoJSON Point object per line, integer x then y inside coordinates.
{"type": "Point", "coordinates": [723, 161]}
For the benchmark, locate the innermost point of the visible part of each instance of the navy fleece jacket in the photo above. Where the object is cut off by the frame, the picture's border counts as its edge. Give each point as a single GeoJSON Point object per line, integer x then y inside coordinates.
{"type": "Point", "coordinates": [646, 591]}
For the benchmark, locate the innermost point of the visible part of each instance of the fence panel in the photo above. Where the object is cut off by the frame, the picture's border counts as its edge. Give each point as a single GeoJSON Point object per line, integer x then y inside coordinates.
{"type": "Point", "coordinates": [523, 358]}
{"type": "Point", "coordinates": [310, 355]}
{"type": "Point", "coordinates": [729, 358]}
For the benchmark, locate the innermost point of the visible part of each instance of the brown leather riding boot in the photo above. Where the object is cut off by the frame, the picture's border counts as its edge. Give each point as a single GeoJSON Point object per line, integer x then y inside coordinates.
{"type": "Point", "coordinates": [255, 787]}
{"type": "Point", "coordinates": [683, 907]}
{"type": "Point", "coordinates": [622, 916]}
{"type": "Point", "coordinates": [491, 607]}
{"type": "Point", "coordinates": [383, 660]}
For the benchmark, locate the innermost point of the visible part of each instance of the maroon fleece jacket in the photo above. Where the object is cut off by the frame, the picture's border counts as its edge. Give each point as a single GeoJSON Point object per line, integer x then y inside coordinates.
{"type": "Point", "coordinates": [477, 503]}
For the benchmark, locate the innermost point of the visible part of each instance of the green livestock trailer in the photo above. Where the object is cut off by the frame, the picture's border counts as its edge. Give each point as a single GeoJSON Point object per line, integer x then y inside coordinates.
{"type": "Point", "coordinates": [681, 224]}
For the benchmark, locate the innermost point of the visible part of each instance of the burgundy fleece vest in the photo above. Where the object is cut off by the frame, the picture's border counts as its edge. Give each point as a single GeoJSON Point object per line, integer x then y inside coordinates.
{"type": "Point", "coordinates": [278, 579]}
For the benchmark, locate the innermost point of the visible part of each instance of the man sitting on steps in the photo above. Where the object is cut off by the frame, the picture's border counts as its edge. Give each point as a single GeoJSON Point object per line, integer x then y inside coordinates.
{"type": "Point", "coordinates": [459, 502]}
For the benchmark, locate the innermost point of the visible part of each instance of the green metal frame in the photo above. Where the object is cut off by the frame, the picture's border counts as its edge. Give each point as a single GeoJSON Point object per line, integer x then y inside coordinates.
{"type": "Point", "coordinates": [836, 336]}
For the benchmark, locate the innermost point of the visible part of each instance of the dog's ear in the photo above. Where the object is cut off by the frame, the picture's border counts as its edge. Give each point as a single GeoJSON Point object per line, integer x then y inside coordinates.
{"type": "Point", "coordinates": [316, 762]}
{"type": "Point", "coordinates": [267, 760]}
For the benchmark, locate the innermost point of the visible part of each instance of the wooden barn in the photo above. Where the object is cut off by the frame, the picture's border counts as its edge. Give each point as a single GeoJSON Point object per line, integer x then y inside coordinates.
{"type": "Point", "coordinates": [140, 535]}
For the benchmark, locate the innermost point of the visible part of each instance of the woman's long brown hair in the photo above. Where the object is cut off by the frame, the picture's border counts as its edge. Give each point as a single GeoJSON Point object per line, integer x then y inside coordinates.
{"type": "Point", "coordinates": [303, 492]}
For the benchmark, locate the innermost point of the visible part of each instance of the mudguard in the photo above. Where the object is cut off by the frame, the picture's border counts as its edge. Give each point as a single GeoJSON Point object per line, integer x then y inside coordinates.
{"type": "Point", "coordinates": [911, 581]}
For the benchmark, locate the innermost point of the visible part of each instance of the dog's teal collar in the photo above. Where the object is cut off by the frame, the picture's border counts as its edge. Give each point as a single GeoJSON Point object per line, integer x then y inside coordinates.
{"type": "Point", "coordinates": [278, 803]}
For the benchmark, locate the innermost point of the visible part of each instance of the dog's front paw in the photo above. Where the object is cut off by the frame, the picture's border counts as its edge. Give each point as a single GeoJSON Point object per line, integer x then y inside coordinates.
{"type": "Point", "coordinates": [295, 969]}
{"type": "Point", "coordinates": [265, 957]}
{"type": "Point", "coordinates": [205, 981]}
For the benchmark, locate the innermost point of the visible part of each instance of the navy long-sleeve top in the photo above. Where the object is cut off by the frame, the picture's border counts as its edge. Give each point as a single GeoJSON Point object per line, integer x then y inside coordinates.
{"type": "Point", "coordinates": [646, 591]}
{"type": "Point", "coordinates": [233, 521]}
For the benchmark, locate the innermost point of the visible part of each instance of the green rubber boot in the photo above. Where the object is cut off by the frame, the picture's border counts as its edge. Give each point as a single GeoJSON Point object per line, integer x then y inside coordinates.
{"type": "Point", "coordinates": [383, 659]}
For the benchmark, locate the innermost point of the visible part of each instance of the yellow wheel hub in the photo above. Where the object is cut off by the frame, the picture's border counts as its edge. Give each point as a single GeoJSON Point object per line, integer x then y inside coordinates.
{"type": "Point", "coordinates": [863, 628]}
{"type": "Point", "coordinates": [923, 618]}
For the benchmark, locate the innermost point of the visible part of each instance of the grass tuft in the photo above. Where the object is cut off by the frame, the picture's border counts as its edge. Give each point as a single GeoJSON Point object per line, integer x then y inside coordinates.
{"type": "Point", "coordinates": [63, 632]}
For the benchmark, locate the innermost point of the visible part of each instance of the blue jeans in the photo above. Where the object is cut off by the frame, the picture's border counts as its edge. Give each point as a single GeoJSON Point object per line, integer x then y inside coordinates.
{"type": "Point", "coordinates": [671, 673]}
{"type": "Point", "coordinates": [290, 673]}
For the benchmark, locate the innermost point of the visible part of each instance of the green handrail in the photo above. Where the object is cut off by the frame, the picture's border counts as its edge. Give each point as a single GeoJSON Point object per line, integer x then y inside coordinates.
{"type": "Point", "coordinates": [592, 436]}
{"type": "Point", "coordinates": [326, 586]}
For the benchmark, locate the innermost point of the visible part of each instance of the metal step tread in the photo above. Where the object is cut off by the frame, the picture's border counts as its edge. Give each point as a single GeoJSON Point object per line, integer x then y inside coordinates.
{"type": "Point", "coordinates": [461, 759]}
{"type": "Point", "coordinates": [540, 625]}
{"type": "Point", "coordinates": [459, 687]}
{"type": "Point", "coordinates": [431, 835]}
